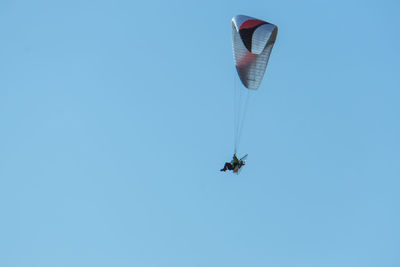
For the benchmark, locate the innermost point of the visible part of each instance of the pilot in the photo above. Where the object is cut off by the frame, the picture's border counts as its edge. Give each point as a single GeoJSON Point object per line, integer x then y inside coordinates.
{"type": "Point", "coordinates": [233, 164]}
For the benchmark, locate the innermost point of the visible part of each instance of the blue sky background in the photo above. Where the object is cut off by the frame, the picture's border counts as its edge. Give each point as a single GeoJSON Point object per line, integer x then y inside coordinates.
{"type": "Point", "coordinates": [115, 117]}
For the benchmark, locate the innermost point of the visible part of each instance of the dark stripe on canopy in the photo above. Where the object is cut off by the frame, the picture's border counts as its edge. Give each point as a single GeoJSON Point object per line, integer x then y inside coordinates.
{"type": "Point", "coordinates": [247, 29]}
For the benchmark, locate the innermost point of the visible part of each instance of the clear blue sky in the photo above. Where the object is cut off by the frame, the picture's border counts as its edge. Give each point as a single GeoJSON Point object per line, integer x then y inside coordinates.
{"type": "Point", "coordinates": [116, 116]}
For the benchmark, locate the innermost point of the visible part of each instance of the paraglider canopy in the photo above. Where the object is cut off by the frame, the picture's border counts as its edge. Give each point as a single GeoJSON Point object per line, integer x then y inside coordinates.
{"type": "Point", "coordinates": [253, 40]}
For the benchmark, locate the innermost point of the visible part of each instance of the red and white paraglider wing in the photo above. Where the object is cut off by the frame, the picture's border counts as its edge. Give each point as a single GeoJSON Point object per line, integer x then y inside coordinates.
{"type": "Point", "coordinates": [252, 41]}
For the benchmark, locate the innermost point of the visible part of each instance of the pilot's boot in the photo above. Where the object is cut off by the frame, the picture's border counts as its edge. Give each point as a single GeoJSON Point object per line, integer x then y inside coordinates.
{"type": "Point", "coordinates": [224, 169]}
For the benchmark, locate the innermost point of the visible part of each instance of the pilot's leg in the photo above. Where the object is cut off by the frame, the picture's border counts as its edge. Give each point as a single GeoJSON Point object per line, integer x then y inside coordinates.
{"type": "Point", "coordinates": [224, 169]}
{"type": "Point", "coordinates": [227, 166]}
